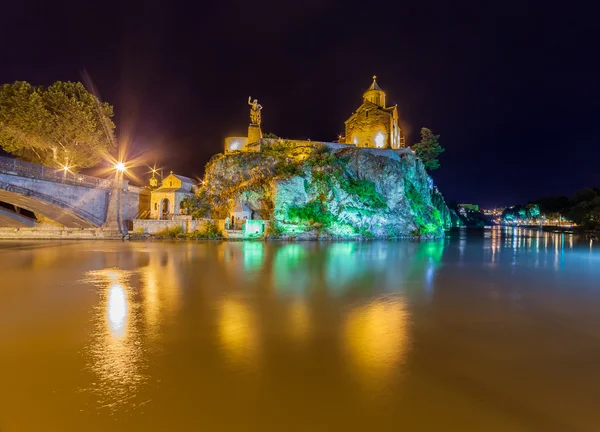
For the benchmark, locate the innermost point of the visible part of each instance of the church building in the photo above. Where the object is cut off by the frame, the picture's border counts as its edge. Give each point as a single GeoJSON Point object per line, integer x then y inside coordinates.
{"type": "Point", "coordinates": [166, 201]}
{"type": "Point", "coordinates": [374, 124]}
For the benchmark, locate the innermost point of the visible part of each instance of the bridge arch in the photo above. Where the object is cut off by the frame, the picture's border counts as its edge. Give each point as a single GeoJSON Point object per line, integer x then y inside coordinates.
{"type": "Point", "coordinates": [48, 206]}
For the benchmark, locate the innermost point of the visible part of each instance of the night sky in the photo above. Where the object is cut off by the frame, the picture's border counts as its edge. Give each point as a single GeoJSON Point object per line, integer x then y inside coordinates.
{"type": "Point", "coordinates": [513, 88]}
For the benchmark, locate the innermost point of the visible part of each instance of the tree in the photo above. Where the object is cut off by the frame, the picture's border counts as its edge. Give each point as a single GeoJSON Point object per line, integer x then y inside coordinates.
{"type": "Point", "coordinates": [429, 149]}
{"type": "Point", "coordinates": [62, 125]}
{"type": "Point", "coordinates": [533, 211]}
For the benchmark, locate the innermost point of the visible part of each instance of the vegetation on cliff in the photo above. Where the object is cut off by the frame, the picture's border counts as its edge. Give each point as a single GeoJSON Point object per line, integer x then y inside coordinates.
{"type": "Point", "coordinates": [313, 191]}
{"type": "Point", "coordinates": [429, 149]}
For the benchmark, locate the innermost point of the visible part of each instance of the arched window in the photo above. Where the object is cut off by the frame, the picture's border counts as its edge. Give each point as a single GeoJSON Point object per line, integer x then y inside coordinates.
{"type": "Point", "coordinates": [155, 206]}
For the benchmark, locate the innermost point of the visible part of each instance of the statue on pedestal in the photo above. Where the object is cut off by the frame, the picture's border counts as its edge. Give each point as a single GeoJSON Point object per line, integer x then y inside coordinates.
{"type": "Point", "coordinates": [255, 116]}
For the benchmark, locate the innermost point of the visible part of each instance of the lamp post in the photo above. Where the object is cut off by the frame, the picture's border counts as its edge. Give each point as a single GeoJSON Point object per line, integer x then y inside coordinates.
{"type": "Point", "coordinates": [120, 168]}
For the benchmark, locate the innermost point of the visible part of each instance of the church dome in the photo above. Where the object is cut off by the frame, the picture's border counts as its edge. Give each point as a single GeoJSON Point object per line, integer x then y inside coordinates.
{"type": "Point", "coordinates": [375, 94]}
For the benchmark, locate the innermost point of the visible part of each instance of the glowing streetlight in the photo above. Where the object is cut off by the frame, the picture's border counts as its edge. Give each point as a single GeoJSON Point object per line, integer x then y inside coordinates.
{"type": "Point", "coordinates": [120, 166]}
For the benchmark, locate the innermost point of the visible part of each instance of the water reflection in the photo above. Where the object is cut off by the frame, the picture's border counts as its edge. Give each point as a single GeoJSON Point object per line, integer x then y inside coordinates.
{"type": "Point", "coordinates": [238, 333]}
{"type": "Point", "coordinates": [377, 338]}
{"type": "Point", "coordinates": [340, 267]}
{"type": "Point", "coordinates": [291, 273]}
{"type": "Point", "coordinates": [116, 353]}
{"type": "Point", "coordinates": [117, 310]}
{"type": "Point", "coordinates": [300, 322]}
{"type": "Point", "coordinates": [250, 297]}
{"type": "Point", "coordinates": [153, 323]}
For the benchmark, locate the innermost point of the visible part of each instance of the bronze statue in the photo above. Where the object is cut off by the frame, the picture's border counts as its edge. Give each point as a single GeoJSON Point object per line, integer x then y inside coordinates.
{"type": "Point", "coordinates": [255, 116]}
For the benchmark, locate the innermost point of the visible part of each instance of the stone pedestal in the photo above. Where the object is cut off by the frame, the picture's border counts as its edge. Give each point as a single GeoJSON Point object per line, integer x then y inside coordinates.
{"type": "Point", "coordinates": [254, 134]}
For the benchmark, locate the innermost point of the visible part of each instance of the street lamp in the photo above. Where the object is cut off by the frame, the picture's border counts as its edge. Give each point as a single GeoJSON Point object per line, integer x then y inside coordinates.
{"type": "Point", "coordinates": [120, 166]}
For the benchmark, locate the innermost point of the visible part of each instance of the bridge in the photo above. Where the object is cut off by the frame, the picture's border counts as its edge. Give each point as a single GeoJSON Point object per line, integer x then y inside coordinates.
{"type": "Point", "coordinates": [70, 199]}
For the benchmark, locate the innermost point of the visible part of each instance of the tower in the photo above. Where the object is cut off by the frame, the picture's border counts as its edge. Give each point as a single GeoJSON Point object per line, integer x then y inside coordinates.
{"type": "Point", "coordinates": [153, 181]}
{"type": "Point", "coordinates": [375, 94]}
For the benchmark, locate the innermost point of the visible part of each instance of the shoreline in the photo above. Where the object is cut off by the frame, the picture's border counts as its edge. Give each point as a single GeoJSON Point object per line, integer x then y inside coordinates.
{"type": "Point", "coordinates": [62, 234]}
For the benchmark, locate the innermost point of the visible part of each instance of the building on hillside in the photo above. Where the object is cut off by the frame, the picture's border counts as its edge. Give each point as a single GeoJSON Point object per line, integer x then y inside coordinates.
{"type": "Point", "coordinates": [166, 201]}
{"type": "Point", "coordinates": [373, 125]}
{"type": "Point", "coordinates": [239, 215]}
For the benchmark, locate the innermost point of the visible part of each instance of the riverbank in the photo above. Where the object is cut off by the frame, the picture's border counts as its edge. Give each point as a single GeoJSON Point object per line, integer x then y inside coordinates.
{"type": "Point", "coordinates": [104, 234]}
{"type": "Point", "coordinates": [55, 233]}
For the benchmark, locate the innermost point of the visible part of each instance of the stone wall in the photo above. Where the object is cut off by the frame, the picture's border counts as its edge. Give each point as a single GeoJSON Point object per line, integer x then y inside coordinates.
{"type": "Point", "coordinates": [49, 232]}
{"type": "Point", "coordinates": [255, 228]}
{"type": "Point", "coordinates": [235, 144]}
{"type": "Point", "coordinates": [150, 226]}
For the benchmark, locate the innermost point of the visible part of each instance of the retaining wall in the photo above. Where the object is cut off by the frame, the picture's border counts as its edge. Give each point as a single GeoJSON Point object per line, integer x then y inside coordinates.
{"type": "Point", "coordinates": [152, 226]}
{"type": "Point", "coordinates": [58, 233]}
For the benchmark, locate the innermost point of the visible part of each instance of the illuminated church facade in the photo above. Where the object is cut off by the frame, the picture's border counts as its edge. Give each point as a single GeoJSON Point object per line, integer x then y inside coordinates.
{"type": "Point", "coordinates": [372, 125]}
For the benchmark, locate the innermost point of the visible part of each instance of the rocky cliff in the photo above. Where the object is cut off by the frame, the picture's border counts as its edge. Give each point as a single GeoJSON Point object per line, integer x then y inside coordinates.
{"type": "Point", "coordinates": [313, 191]}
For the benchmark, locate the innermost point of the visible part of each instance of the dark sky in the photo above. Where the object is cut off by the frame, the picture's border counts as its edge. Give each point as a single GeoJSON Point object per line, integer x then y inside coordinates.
{"type": "Point", "coordinates": [513, 88]}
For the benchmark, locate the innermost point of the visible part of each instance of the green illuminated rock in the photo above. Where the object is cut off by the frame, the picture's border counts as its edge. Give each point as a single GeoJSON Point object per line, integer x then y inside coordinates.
{"type": "Point", "coordinates": [313, 191]}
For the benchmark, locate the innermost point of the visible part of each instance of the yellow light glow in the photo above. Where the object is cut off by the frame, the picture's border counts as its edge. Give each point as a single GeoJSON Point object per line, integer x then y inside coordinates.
{"type": "Point", "coordinates": [299, 321]}
{"type": "Point", "coordinates": [117, 309]}
{"type": "Point", "coordinates": [377, 339]}
{"type": "Point", "coordinates": [237, 332]}
{"type": "Point", "coordinates": [379, 140]}
{"type": "Point", "coordinates": [120, 166]}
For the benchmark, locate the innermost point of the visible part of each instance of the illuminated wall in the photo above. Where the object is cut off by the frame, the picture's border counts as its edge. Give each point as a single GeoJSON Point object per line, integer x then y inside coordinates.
{"type": "Point", "coordinates": [373, 126]}
{"type": "Point", "coordinates": [235, 144]}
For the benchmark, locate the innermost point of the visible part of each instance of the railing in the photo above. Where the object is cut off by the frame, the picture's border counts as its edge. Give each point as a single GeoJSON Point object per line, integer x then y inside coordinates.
{"type": "Point", "coordinates": [28, 169]}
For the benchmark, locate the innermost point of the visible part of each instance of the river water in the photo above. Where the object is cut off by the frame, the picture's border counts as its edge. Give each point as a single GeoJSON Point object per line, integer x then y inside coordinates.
{"type": "Point", "coordinates": [487, 331]}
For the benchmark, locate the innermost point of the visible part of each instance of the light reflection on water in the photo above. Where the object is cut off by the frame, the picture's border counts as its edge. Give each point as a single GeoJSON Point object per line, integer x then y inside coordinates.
{"type": "Point", "coordinates": [117, 310]}
{"type": "Point", "coordinates": [180, 327]}
{"type": "Point", "coordinates": [377, 339]}
{"type": "Point", "coordinates": [238, 333]}
{"type": "Point", "coordinates": [115, 354]}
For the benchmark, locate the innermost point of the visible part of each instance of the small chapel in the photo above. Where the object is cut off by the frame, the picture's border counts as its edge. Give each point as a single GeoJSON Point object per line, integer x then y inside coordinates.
{"type": "Point", "coordinates": [166, 201]}
{"type": "Point", "coordinates": [373, 124]}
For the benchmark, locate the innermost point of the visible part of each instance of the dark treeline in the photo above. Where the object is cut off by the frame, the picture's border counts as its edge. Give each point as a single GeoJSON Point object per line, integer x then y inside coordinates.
{"type": "Point", "coordinates": [583, 208]}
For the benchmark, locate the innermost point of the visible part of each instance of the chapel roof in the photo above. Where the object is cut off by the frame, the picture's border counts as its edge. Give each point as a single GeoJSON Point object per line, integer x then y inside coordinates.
{"type": "Point", "coordinates": [168, 190]}
{"type": "Point", "coordinates": [374, 85]}
{"type": "Point", "coordinates": [184, 179]}
{"type": "Point", "coordinates": [368, 105]}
